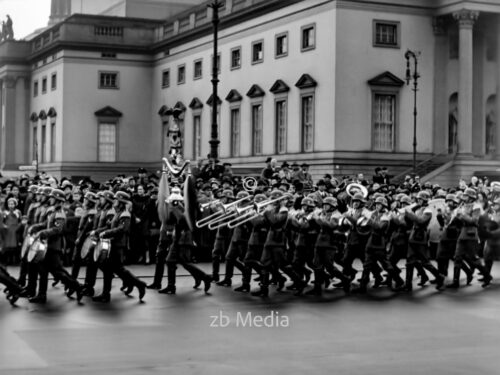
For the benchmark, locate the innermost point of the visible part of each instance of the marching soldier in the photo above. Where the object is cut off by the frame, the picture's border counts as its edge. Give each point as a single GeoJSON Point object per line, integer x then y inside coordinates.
{"type": "Point", "coordinates": [357, 239]}
{"type": "Point", "coordinates": [492, 248]}
{"type": "Point", "coordinates": [451, 225]}
{"type": "Point", "coordinates": [378, 222]}
{"type": "Point", "coordinates": [468, 239]}
{"type": "Point", "coordinates": [52, 262]}
{"type": "Point", "coordinates": [182, 246]}
{"type": "Point", "coordinates": [118, 233]}
{"type": "Point", "coordinates": [39, 222]}
{"type": "Point", "coordinates": [273, 255]}
{"type": "Point", "coordinates": [326, 245]}
{"type": "Point", "coordinates": [85, 226]}
{"type": "Point", "coordinates": [306, 232]}
{"type": "Point", "coordinates": [222, 238]}
{"type": "Point", "coordinates": [417, 242]}
{"type": "Point", "coordinates": [236, 253]}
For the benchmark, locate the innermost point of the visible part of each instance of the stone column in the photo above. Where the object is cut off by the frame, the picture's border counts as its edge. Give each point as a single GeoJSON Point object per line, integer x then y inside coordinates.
{"type": "Point", "coordinates": [497, 106]}
{"type": "Point", "coordinates": [8, 121]}
{"type": "Point", "coordinates": [465, 19]}
{"type": "Point", "coordinates": [440, 116]}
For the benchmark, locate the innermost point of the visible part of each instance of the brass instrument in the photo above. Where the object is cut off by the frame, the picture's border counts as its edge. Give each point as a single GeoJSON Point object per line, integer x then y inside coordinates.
{"type": "Point", "coordinates": [354, 188]}
{"type": "Point", "coordinates": [253, 211]}
{"type": "Point", "coordinates": [206, 205]}
{"type": "Point", "coordinates": [227, 211]}
{"type": "Point", "coordinates": [249, 184]}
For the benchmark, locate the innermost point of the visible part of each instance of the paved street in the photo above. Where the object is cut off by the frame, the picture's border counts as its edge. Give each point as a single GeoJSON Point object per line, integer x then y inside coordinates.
{"type": "Point", "coordinates": [452, 332]}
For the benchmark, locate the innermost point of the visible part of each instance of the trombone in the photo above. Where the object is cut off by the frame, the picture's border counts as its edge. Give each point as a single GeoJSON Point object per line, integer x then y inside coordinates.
{"type": "Point", "coordinates": [248, 213]}
{"type": "Point", "coordinates": [222, 214]}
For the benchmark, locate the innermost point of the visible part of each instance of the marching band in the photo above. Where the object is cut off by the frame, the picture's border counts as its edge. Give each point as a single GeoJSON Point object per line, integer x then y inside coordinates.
{"type": "Point", "coordinates": [308, 241]}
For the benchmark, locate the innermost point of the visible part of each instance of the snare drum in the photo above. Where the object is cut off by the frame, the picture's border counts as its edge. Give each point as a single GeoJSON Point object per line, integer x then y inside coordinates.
{"type": "Point", "coordinates": [37, 251]}
{"type": "Point", "coordinates": [87, 248]}
{"type": "Point", "coordinates": [102, 250]}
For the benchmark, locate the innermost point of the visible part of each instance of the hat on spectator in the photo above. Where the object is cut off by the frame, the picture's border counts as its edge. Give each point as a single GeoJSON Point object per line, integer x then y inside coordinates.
{"type": "Point", "coordinates": [321, 182]}
{"type": "Point", "coordinates": [328, 175]}
{"type": "Point", "coordinates": [142, 170]}
{"type": "Point", "coordinates": [12, 199]}
{"type": "Point", "coordinates": [304, 165]}
{"type": "Point", "coordinates": [268, 160]}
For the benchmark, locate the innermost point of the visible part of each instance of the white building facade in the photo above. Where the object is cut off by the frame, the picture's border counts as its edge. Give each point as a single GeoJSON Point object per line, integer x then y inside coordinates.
{"type": "Point", "coordinates": [316, 81]}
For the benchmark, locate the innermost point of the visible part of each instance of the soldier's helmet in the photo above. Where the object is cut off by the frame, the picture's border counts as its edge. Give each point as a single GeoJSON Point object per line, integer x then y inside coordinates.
{"type": "Point", "coordinates": [424, 195]}
{"type": "Point", "coordinates": [58, 194]}
{"type": "Point", "coordinates": [307, 202]}
{"type": "Point", "coordinates": [91, 196]}
{"type": "Point", "coordinates": [108, 195]}
{"type": "Point", "coordinates": [33, 189]}
{"type": "Point", "coordinates": [331, 201]}
{"type": "Point", "coordinates": [452, 198]}
{"type": "Point", "coordinates": [45, 191]}
{"type": "Point", "coordinates": [122, 197]}
{"type": "Point", "coordinates": [382, 201]}
{"type": "Point", "coordinates": [405, 199]}
{"type": "Point", "coordinates": [358, 197]}
{"type": "Point", "coordinates": [470, 193]}
{"type": "Point", "coordinates": [242, 194]}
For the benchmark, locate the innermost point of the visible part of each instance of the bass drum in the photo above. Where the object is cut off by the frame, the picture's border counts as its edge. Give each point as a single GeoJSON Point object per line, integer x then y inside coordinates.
{"type": "Point", "coordinates": [102, 250]}
{"type": "Point", "coordinates": [28, 241]}
{"type": "Point", "coordinates": [434, 227]}
{"type": "Point", "coordinates": [87, 248]}
{"type": "Point", "coordinates": [37, 251]}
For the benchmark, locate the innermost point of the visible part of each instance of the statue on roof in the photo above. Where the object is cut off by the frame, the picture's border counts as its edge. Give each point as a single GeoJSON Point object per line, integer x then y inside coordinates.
{"type": "Point", "coordinates": [8, 33]}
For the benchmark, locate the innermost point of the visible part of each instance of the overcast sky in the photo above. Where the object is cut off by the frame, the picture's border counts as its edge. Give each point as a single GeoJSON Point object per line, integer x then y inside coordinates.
{"type": "Point", "coordinates": [27, 15]}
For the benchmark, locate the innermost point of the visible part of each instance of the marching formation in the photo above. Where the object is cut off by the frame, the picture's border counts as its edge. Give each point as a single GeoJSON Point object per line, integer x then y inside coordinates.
{"type": "Point", "coordinates": [301, 239]}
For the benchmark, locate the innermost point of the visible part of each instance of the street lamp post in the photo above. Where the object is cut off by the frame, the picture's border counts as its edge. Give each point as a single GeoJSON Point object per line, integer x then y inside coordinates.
{"type": "Point", "coordinates": [214, 138]}
{"type": "Point", "coordinates": [415, 76]}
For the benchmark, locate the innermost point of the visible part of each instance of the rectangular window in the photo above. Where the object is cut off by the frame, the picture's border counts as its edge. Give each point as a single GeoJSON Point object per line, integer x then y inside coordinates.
{"type": "Point", "coordinates": [165, 78]}
{"type": "Point", "coordinates": [386, 34]}
{"type": "Point", "coordinates": [384, 107]}
{"type": "Point", "coordinates": [197, 136]}
{"type": "Point", "coordinates": [108, 80]}
{"type": "Point", "coordinates": [44, 144]}
{"type": "Point", "coordinates": [281, 45]}
{"type": "Point", "coordinates": [198, 69]}
{"type": "Point", "coordinates": [257, 52]}
{"type": "Point", "coordinates": [236, 58]}
{"type": "Point", "coordinates": [52, 142]}
{"type": "Point", "coordinates": [44, 85]}
{"type": "Point", "coordinates": [107, 142]}
{"type": "Point", "coordinates": [308, 37]}
{"type": "Point", "coordinates": [181, 74]}
{"type": "Point", "coordinates": [53, 81]}
{"type": "Point", "coordinates": [257, 129]}
{"type": "Point", "coordinates": [307, 109]}
{"type": "Point", "coordinates": [35, 88]}
{"type": "Point", "coordinates": [235, 132]}
{"type": "Point", "coordinates": [281, 124]}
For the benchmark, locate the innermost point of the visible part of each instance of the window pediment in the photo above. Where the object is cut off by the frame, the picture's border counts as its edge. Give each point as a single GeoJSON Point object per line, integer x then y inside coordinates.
{"type": "Point", "coordinates": [180, 106]}
{"type": "Point", "coordinates": [386, 79]}
{"type": "Point", "coordinates": [163, 110]}
{"type": "Point", "coordinates": [306, 81]}
{"type": "Point", "coordinates": [279, 87]}
{"type": "Point", "coordinates": [196, 103]}
{"type": "Point", "coordinates": [42, 115]}
{"type": "Point", "coordinates": [52, 112]}
{"type": "Point", "coordinates": [255, 92]}
{"type": "Point", "coordinates": [234, 96]}
{"type": "Point", "coordinates": [34, 117]}
{"type": "Point", "coordinates": [108, 111]}
{"type": "Point", "coordinates": [211, 99]}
